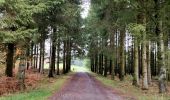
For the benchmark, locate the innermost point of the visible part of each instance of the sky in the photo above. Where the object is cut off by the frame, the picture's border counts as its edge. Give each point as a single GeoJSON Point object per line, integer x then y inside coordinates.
{"type": "Point", "coordinates": [86, 7]}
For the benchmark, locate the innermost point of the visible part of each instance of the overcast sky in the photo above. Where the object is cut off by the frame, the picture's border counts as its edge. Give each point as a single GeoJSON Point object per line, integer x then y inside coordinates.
{"type": "Point", "coordinates": [86, 6]}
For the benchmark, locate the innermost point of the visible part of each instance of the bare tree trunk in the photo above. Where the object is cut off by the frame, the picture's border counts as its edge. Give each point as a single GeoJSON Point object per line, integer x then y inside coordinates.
{"type": "Point", "coordinates": [67, 55]}
{"type": "Point", "coordinates": [136, 64]}
{"type": "Point", "coordinates": [21, 71]}
{"type": "Point", "coordinates": [105, 66]}
{"type": "Point", "coordinates": [58, 57]}
{"type": "Point", "coordinates": [42, 58]}
{"type": "Point", "coordinates": [36, 62]}
{"type": "Point", "coordinates": [35, 48]}
{"type": "Point", "coordinates": [64, 58]}
{"type": "Point", "coordinates": [144, 65]}
{"type": "Point", "coordinates": [149, 62]}
{"type": "Point", "coordinates": [96, 63]}
{"type": "Point", "coordinates": [32, 49]}
{"type": "Point", "coordinates": [28, 57]}
{"type": "Point", "coordinates": [161, 55]}
{"type": "Point", "coordinates": [9, 60]}
{"type": "Point", "coordinates": [112, 46]}
{"type": "Point", "coordinates": [53, 55]}
{"type": "Point", "coordinates": [122, 55]}
{"type": "Point", "coordinates": [161, 63]}
{"type": "Point", "coordinates": [100, 63]}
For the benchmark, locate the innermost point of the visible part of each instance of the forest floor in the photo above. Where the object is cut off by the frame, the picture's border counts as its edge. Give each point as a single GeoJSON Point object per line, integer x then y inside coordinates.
{"type": "Point", "coordinates": [38, 86]}
{"type": "Point", "coordinates": [9, 85]}
{"type": "Point", "coordinates": [126, 87]}
{"type": "Point", "coordinates": [83, 86]}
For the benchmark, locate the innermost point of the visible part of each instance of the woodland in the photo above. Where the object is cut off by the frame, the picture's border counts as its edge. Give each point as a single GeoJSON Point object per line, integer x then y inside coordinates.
{"type": "Point", "coordinates": [39, 39]}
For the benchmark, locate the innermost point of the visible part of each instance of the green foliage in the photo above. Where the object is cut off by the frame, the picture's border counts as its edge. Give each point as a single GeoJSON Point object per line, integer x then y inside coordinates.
{"type": "Point", "coordinates": [16, 23]}
{"type": "Point", "coordinates": [137, 30]}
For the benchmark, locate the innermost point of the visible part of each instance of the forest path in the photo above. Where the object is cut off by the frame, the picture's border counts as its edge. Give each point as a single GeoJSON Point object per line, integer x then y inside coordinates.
{"type": "Point", "coordinates": [83, 86]}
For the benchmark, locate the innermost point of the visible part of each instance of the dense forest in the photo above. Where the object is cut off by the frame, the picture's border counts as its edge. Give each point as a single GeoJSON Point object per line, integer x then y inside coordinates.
{"type": "Point", "coordinates": [27, 24]}
{"type": "Point", "coordinates": [119, 37]}
{"type": "Point", "coordinates": [130, 37]}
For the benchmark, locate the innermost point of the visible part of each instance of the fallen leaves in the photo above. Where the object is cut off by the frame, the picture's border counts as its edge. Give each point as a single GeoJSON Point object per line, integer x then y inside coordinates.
{"type": "Point", "coordinates": [9, 85]}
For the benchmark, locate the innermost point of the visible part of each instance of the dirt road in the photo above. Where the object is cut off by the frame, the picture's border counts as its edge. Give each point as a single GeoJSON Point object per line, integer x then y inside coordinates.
{"type": "Point", "coordinates": [83, 86]}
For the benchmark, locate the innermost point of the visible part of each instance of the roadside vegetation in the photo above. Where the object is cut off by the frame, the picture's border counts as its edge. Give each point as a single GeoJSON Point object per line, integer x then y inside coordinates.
{"type": "Point", "coordinates": [127, 89]}
{"type": "Point", "coordinates": [44, 89]}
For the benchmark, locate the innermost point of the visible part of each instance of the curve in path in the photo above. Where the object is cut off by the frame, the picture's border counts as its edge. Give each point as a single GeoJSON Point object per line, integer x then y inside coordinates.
{"type": "Point", "coordinates": [83, 86]}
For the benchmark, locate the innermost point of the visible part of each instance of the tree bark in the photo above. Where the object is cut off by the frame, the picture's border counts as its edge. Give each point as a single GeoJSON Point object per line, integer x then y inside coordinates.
{"type": "Point", "coordinates": [21, 71]}
{"type": "Point", "coordinates": [28, 57]}
{"type": "Point", "coordinates": [36, 56]}
{"type": "Point", "coordinates": [53, 55]}
{"type": "Point", "coordinates": [58, 57]}
{"type": "Point", "coordinates": [122, 55]}
{"type": "Point", "coordinates": [161, 64]}
{"type": "Point", "coordinates": [144, 65]}
{"type": "Point", "coordinates": [136, 64]}
{"type": "Point", "coordinates": [42, 57]}
{"type": "Point", "coordinates": [9, 60]}
{"type": "Point", "coordinates": [161, 55]}
{"type": "Point", "coordinates": [32, 49]}
{"type": "Point", "coordinates": [64, 58]}
{"type": "Point", "coordinates": [96, 63]}
{"type": "Point", "coordinates": [105, 66]}
{"type": "Point", "coordinates": [149, 62]}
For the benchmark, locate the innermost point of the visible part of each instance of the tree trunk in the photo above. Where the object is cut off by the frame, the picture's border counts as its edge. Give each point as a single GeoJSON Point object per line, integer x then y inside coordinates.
{"type": "Point", "coordinates": [58, 57]}
{"type": "Point", "coordinates": [64, 58]}
{"type": "Point", "coordinates": [122, 55]}
{"type": "Point", "coordinates": [21, 71]}
{"type": "Point", "coordinates": [28, 57]}
{"type": "Point", "coordinates": [67, 55]}
{"type": "Point", "coordinates": [35, 48]}
{"type": "Point", "coordinates": [113, 60]}
{"type": "Point", "coordinates": [102, 64]}
{"type": "Point", "coordinates": [161, 55]}
{"type": "Point", "coordinates": [92, 64]}
{"type": "Point", "coordinates": [36, 62]}
{"type": "Point", "coordinates": [9, 60]}
{"type": "Point", "coordinates": [110, 66]}
{"type": "Point", "coordinates": [96, 63]}
{"type": "Point", "coordinates": [105, 66]}
{"type": "Point", "coordinates": [32, 49]}
{"type": "Point", "coordinates": [144, 65]}
{"type": "Point", "coordinates": [42, 57]}
{"type": "Point", "coordinates": [149, 62]}
{"type": "Point", "coordinates": [117, 59]}
{"type": "Point", "coordinates": [136, 64]}
{"type": "Point", "coordinates": [161, 64]}
{"type": "Point", "coordinates": [53, 55]}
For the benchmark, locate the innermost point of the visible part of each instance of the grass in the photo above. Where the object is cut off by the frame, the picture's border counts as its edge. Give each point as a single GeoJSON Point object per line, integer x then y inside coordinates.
{"type": "Point", "coordinates": [127, 88]}
{"type": "Point", "coordinates": [44, 90]}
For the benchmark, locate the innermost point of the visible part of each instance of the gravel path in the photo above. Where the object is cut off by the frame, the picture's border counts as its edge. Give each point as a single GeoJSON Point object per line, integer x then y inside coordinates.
{"type": "Point", "coordinates": [83, 86]}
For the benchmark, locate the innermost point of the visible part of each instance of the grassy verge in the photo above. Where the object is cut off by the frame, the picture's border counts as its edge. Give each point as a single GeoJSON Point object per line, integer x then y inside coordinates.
{"type": "Point", "coordinates": [127, 88]}
{"type": "Point", "coordinates": [45, 89]}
